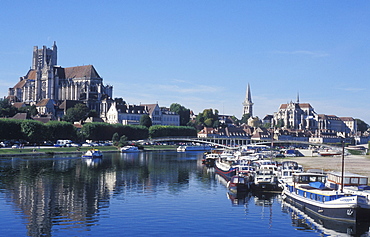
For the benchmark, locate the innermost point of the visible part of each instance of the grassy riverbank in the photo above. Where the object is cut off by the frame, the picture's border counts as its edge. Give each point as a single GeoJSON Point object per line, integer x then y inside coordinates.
{"type": "Point", "coordinates": [65, 150]}
{"type": "Point", "coordinates": [52, 150]}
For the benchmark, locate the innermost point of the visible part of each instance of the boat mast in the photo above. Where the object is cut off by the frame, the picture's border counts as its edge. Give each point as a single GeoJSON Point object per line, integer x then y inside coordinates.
{"type": "Point", "coordinates": [342, 181]}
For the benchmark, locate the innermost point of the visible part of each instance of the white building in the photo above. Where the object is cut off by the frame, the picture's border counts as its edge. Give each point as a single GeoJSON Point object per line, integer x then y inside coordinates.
{"type": "Point", "coordinates": [131, 114]}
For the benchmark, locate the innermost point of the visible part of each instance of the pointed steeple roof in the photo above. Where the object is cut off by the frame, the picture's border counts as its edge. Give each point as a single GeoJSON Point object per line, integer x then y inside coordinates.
{"type": "Point", "coordinates": [297, 97]}
{"type": "Point", "coordinates": [248, 96]}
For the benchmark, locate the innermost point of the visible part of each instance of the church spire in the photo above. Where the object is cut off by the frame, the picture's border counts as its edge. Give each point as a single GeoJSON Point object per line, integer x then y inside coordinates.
{"type": "Point", "coordinates": [248, 104]}
{"type": "Point", "coordinates": [297, 97]}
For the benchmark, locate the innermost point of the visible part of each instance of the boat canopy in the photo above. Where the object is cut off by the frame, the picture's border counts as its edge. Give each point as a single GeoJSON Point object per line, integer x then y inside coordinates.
{"type": "Point", "coordinates": [318, 185]}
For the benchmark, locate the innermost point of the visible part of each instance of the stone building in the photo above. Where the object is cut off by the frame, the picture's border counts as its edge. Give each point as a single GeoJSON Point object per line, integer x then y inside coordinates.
{"type": "Point", "coordinates": [302, 116]}
{"type": "Point", "coordinates": [46, 80]}
{"type": "Point", "coordinates": [295, 115]}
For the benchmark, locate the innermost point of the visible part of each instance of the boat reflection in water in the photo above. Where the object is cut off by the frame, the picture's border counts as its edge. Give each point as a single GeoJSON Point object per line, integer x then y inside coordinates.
{"type": "Point", "coordinates": [239, 198]}
{"type": "Point", "coordinates": [305, 220]}
{"type": "Point", "coordinates": [92, 162]}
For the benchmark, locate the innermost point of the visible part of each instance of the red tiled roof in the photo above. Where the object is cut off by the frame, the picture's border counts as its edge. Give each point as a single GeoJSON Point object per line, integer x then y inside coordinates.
{"type": "Point", "coordinates": [299, 105]}
{"type": "Point", "coordinates": [31, 74]}
{"type": "Point", "coordinates": [19, 104]}
{"type": "Point", "coordinates": [346, 118]}
{"type": "Point", "coordinates": [44, 102]}
{"type": "Point", "coordinates": [20, 84]}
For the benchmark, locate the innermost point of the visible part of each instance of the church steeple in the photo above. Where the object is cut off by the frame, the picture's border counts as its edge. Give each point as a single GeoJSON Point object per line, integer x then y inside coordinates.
{"type": "Point", "coordinates": [248, 104]}
{"type": "Point", "coordinates": [297, 97]}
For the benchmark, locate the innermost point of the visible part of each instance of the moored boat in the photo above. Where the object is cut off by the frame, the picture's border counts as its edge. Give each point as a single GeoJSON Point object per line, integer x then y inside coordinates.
{"type": "Point", "coordinates": [127, 149]}
{"type": "Point", "coordinates": [92, 153]}
{"type": "Point", "coordinates": [194, 148]}
{"type": "Point", "coordinates": [210, 158]}
{"type": "Point", "coordinates": [240, 183]}
{"type": "Point", "coordinates": [225, 168]}
{"type": "Point", "coordinates": [265, 179]}
{"type": "Point", "coordinates": [286, 171]}
{"type": "Point", "coordinates": [308, 192]}
{"type": "Point", "coordinates": [354, 184]}
{"type": "Point", "coordinates": [329, 152]}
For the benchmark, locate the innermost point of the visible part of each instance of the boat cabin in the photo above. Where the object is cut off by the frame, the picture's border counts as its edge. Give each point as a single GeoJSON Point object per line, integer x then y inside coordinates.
{"type": "Point", "coordinates": [312, 186]}
{"type": "Point", "coordinates": [306, 178]}
{"type": "Point", "coordinates": [350, 179]}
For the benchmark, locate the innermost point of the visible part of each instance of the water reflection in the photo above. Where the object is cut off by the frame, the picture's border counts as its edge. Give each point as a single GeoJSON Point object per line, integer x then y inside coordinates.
{"type": "Point", "coordinates": [64, 195]}
{"type": "Point", "coordinates": [305, 220]}
{"type": "Point", "coordinates": [71, 192]}
{"type": "Point", "coordinates": [301, 220]}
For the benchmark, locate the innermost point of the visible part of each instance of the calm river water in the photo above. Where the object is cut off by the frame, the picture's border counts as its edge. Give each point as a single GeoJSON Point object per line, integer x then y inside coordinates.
{"type": "Point", "coordinates": [146, 194]}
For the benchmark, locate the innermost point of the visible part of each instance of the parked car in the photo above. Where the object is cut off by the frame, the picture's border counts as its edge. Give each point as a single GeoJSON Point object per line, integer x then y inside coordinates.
{"type": "Point", "coordinates": [86, 145]}
{"type": "Point", "coordinates": [15, 146]}
{"type": "Point", "coordinates": [74, 145]}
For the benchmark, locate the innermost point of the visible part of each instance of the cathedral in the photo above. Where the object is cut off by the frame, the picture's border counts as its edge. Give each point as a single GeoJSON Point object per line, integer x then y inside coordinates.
{"type": "Point", "coordinates": [301, 116]}
{"type": "Point", "coordinates": [45, 80]}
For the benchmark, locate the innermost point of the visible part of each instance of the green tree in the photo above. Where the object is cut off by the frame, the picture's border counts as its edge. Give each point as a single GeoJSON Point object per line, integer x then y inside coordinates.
{"type": "Point", "coordinates": [123, 140]}
{"type": "Point", "coordinates": [77, 113]}
{"type": "Point", "coordinates": [183, 112]}
{"type": "Point", "coordinates": [98, 131]}
{"type": "Point", "coordinates": [115, 138]}
{"type": "Point", "coordinates": [208, 122]}
{"type": "Point", "coordinates": [145, 120]}
{"type": "Point", "coordinates": [171, 131]}
{"type": "Point", "coordinates": [245, 118]}
{"type": "Point", "coordinates": [6, 109]}
{"type": "Point", "coordinates": [34, 131]}
{"type": "Point", "coordinates": [11, 129]}
{"type": "Point", "coordinates": [92, 113]}
{"type": "Point", "coordinates": [57, 130]}
{"type": "Point", "coordinates": [207, 118]}
{"type": "Point", "coordinates": [30, 110]}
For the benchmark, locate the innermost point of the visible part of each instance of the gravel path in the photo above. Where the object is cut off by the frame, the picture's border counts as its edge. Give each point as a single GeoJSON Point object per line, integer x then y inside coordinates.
{"type": "Point", "coordinates": [352, 163]}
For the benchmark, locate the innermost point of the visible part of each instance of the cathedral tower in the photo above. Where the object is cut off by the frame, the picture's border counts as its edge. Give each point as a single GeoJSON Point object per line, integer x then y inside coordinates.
{"type": "Point", "coordinates": [44, 56]}
{"type": "Point", "coordinates": [248, 104]}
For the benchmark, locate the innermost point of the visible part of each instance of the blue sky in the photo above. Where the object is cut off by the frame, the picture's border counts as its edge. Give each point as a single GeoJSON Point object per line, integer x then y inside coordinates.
{"type": "Point", "coordinates": [202, 54]}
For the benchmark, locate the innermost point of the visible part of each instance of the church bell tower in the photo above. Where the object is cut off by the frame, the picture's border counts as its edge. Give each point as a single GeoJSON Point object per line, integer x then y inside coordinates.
{"type": "Point", "coordinates": [248, 104]}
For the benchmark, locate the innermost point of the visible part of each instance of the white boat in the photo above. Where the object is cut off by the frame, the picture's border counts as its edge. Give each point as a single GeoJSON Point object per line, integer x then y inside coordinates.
{"type": "Point", "coordinates": [92, 153]}
{"type": "Point", "coordinates": [193, 148]}
{"type": "Point", "coordinates": [286, 171]}
{"type": "Point", "coordinates": [227, 153]}
{"type": "Point", "coordinates": [308, 192]}
{"type": "Point", "coordinates": [127, 149]}
{"type": "Point", "coordinates": [225, 168]}
{"type": "Point", "coordinates": [354, 184]}
{"type": "Point", "coordinates": [265, 178]}
{"type": "Point", "coordinates": [209, 159]}
{"type": "Point", "coordinates": [329, 152]}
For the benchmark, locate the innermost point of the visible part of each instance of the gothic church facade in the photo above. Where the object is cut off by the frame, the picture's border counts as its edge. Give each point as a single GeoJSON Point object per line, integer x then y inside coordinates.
{"type": "Point", "coordinates": [47, 80]}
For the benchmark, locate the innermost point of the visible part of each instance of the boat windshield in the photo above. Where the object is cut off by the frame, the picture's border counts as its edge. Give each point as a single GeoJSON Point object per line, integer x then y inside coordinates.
{"type": "Point", "coordinates": [309, 178]}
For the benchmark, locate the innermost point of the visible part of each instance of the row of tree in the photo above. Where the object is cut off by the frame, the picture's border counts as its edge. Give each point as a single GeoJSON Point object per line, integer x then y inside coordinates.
{"type": "Point", "coordinates": [37, 132]}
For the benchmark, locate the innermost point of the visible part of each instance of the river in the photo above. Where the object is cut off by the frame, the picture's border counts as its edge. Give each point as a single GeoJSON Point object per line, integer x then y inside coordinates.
{"type": "Point", "coordinates": [157, 193]}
